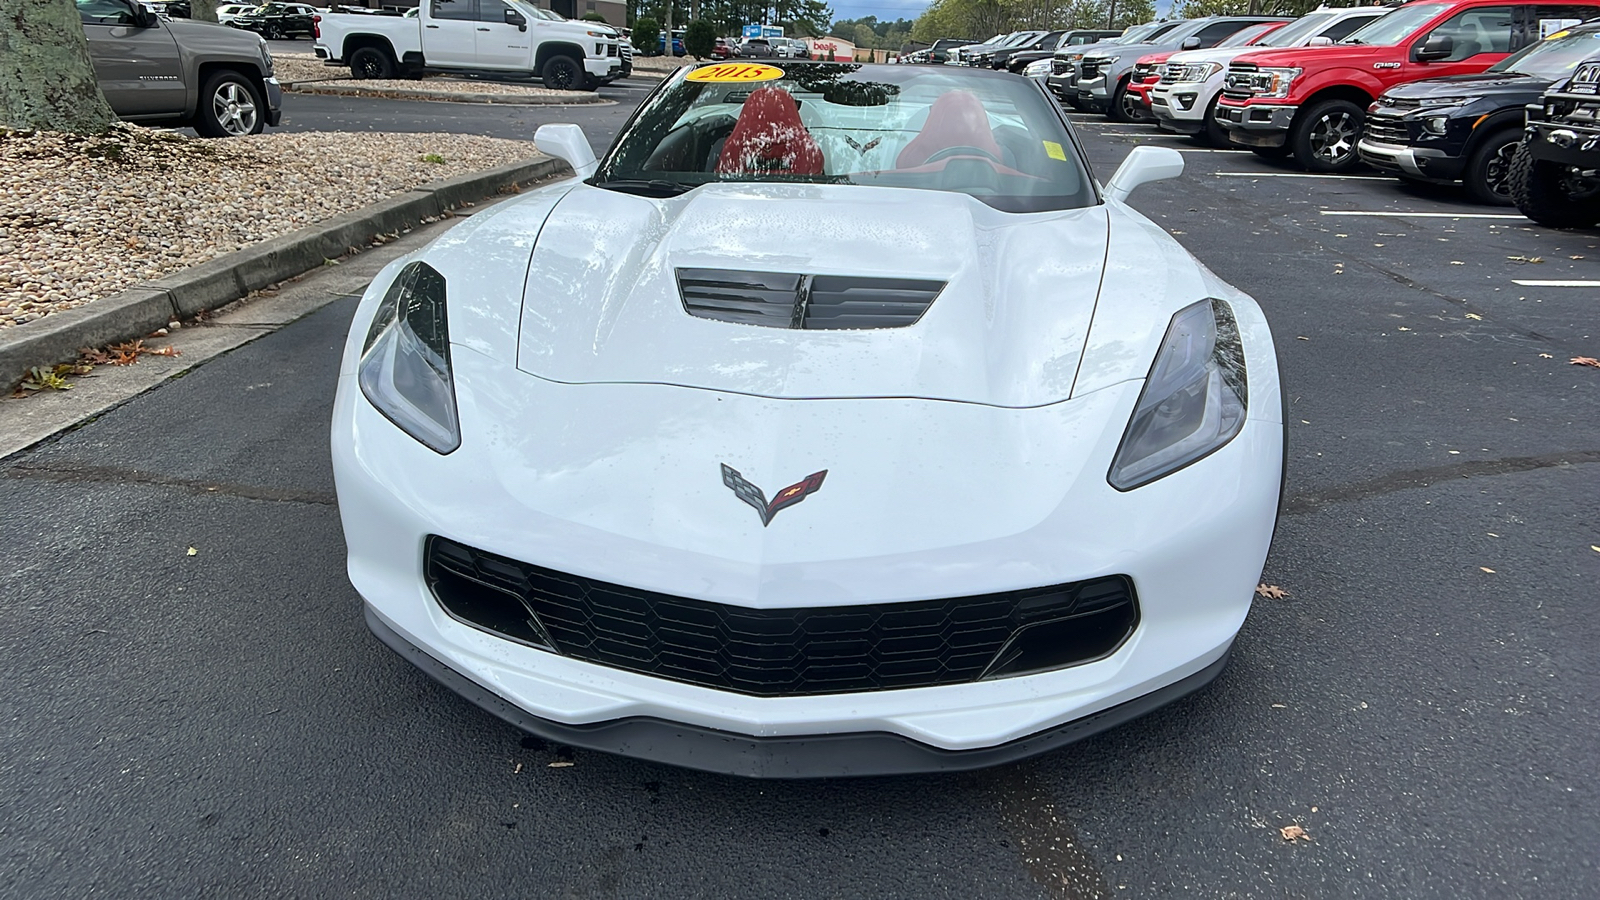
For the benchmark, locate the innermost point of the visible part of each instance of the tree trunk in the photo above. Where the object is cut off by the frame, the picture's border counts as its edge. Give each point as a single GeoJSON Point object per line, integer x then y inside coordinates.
{"type": "Point", "coordinates": [46, 79]}
{"type": "Point", "coordinates": [203, 10]}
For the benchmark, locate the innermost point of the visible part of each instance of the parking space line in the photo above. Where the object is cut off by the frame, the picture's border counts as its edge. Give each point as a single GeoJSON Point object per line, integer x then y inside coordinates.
{"type": "Point", "coordinates": [1557, 283]}
{"type": "Point", "coordinates": [1416, 215]}
{"type": "Point", "coordinates": [1294, 175]}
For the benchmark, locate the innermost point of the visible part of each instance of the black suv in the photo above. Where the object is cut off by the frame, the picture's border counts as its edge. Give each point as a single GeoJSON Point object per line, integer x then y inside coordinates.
{"type": "Point", "coordinates": [276, 21]}
{"type": "Point", "coordinates": [1467, 127]}
{"type": "Point", "coordinates": [1555, 175]}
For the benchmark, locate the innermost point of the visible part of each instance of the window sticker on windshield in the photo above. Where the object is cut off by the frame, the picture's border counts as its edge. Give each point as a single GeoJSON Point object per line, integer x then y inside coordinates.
{"type": "Point", "coordinates": [1549, 27]}
{"type": "Point", "coordinates": [1054, 151]}
{"type": "Point", "coordinates": [735, 72]}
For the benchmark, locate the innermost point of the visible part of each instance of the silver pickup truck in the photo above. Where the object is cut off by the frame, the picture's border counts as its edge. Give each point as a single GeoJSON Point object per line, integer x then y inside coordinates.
{"type": "Point", "coordinates": [217, 80]}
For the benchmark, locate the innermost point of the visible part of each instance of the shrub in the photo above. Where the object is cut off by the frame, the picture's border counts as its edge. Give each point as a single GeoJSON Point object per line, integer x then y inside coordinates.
{"type": "Point", "coordinates": [699, 38]}
{"type": "Point", "coordinates": [647, 36]}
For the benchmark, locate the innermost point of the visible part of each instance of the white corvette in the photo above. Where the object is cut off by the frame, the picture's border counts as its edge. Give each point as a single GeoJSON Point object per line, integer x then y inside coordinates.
{"type": "Point", "coordinates": [836, 422]}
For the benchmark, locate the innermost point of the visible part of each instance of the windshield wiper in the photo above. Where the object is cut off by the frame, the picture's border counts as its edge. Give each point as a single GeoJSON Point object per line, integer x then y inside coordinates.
{"type": "Point", "coordinates": [654, 187]}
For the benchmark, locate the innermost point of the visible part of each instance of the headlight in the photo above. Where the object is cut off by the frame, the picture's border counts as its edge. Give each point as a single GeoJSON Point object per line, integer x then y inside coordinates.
{"type": "Point", "coordinates": [1265, 82]}
{"type": "Point", "coordinates": [1036, 68]}
{"type": "Point", "coordinates": [601, 34]}
{"type": "Point", "coordinates": [1194, 400]}
{"type": "Point", "coordinates": [1435, 124]}
{"type": "Point", "coordinates": [1446, 102]}
{"type": "Point", "coordinates": [1199, 71]}
{"type": "Point", "coordinates": [405, 364]}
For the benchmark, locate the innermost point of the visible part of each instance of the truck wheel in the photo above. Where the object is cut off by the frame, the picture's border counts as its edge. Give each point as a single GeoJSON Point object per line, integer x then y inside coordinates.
{"type": "Point", "coordinates": [1214, 134]}
{"type": "Point", "coordinates": [230, 106]}
{"type": "Point", "coordinates": [562, 73]}
{"type": "Point", "coordinates": [1551, 194]}
{"type": "Point", "coordinates": [1488, 174]}
{"type": "Point", "coordinates": [1118, 109]}
{"type": "Point", "coordinates": [1324, 137]}
{"type": "Point", "coordinates": [371, 62]}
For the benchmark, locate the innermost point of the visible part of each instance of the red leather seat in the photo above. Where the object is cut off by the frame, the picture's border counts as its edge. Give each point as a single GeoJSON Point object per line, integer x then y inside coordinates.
{"type": "Point", "coordinates": [956, 119]}
{"type": "Point", "coordinates": [770, 138]}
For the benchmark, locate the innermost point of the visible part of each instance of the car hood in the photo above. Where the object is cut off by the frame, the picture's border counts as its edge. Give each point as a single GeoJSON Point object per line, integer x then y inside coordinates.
{"type": "Point", "coordinates": [602, 302]}
{"type": "Point", "coordinates": [1482, 84]}
{"type": "Point", "coordinates": [1326, 55]}
{"type": "Point", "coordinates": [1223, 55]}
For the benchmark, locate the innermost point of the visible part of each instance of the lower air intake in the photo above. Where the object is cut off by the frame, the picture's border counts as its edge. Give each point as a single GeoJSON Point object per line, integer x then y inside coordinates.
{"type": "Point", "coordinates": [783, 652]}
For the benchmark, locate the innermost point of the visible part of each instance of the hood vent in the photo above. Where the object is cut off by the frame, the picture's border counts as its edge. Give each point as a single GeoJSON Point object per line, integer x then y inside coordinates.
{"type": "Point", "coordinates": [787, 300]}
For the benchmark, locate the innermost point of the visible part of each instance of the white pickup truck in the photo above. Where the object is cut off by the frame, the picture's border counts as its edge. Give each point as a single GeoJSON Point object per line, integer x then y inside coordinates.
{"type": "Point", "coordinates": [503, 37]}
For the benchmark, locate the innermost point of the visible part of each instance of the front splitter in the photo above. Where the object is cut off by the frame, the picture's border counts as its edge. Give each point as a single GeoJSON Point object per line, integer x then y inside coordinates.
{"type": "Point", "coordinates": [850, 755]}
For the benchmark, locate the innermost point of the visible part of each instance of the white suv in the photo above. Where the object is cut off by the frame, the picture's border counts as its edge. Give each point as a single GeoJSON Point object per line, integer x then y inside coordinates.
{"type": "Point", "coordinates": [1185, 97]}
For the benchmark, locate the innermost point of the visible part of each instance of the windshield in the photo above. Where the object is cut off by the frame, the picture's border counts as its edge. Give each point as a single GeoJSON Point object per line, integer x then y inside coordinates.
{"type": "Point", "coordinates": [1134, 35]}
{"type": "Point", "coordinates": [992, 136]}
{"type": "Point", "coordinates": [1247, 35]}
{"type": "Point", "coordinates": [1298, 31]}
{"type": "Point", "coordinates": [1554, 58]}
{"type": "Point", "coordinates": [1396, 26]}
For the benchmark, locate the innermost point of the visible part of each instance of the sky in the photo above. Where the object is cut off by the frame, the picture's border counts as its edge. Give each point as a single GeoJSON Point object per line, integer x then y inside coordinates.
{"type": "Point", "coordinates": [909, 9]}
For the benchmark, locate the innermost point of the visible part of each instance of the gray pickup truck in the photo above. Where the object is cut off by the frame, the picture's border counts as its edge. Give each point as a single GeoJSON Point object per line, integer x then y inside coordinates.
{"type": "Point", "coordinates": [214, 79]}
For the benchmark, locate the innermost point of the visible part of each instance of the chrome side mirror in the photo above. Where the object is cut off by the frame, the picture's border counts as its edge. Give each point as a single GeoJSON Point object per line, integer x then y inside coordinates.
{"type": "Point", "coordinates": [1143, 165]}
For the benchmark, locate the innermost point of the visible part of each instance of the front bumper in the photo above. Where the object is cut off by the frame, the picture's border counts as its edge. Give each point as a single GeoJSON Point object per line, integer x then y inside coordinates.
{"type": "Point", "coordinates": [1566, 143]}
{"type": "Point", "coordinates": [274, 102]}
{"type": "Point", "coordinates": [798, 756]}
{"type": "Point", "coordinates": [1193, 543]}
{"type": "Point", "coordinates": [603, 67]}
{"type": "Point", "coordinates": [1182, 106]}
{"type": "Point", "coordinates": [1413, 162]}
{"type": "Point", "coordinates": [1256, 124]}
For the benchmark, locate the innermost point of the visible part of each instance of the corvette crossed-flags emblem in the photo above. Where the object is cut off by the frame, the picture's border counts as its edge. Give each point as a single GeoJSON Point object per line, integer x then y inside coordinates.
{"type": "Point", "coordinates": [784, 499]}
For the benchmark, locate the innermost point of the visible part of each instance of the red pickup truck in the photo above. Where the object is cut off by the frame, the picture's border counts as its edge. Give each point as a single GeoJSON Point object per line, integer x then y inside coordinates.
{"type": "Point", "coordinates": [1312, 101]}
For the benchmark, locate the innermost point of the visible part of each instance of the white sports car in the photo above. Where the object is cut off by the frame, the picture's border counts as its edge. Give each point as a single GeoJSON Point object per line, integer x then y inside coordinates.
{"type": "Point", "coordinates": [835, 422]}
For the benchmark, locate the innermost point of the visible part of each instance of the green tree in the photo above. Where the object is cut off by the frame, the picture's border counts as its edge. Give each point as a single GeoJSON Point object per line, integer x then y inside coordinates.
{"type": "Point", "coordinates": [699, 38]}
{"type": "Point", "coordinates": [647, 36]}
{"type": "Point", "coordinates": [203, 10]}
{"type": "Point", "coordinates": [47, 80]}
{"type": "Point", "coordinates": [593, 17]}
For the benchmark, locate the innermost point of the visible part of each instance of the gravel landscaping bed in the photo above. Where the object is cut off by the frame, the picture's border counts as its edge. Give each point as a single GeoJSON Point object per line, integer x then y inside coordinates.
{"type": "Point", "coordinates": [83, 217]}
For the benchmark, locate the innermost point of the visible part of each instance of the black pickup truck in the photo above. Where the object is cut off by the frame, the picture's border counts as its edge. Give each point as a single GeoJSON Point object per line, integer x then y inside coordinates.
{"type": "Point", "coordinates": [1467, 127]}
{"type": "Point", "coordinates": [1555, 176]}
{"type": "Point", "coordinates": [215, 79]}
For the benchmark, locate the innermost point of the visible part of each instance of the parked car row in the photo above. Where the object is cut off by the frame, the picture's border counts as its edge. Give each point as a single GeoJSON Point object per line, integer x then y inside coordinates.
{"type": "Point", "coordinates": [1430, 91]}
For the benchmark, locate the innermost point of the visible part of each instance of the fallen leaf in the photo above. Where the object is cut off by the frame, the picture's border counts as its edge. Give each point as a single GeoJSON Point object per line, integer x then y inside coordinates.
{"type": "Point", "coordinates": [1586, 361]}
{"type": "Point", "coordinates": [517, 769]}
{"type": "Point", "coordinates": [1546, 356]}
{"type": "Point", "coordinates": [1457, 262]}
{"type": "Point", "coordinates": [1594, 548]}
{"type": "Point", "coordinates": [193, 552]}
{"type": "Point", "coordinates": [560, 764]}
{"type": "Point", "coordinates": [1293, 832]}
{"type": "Point", "coordinates": [1270, 591]}
{"type": "Point", "coordinates": [1536, 259]}
{"type": "Point", "coordinates": [1403, 328]}
{"type": "Point", "coordinates": [1453, 452]}
{"type": "Point", "coordinates": [1474, 316]}
{"type": "Point", "coordinates": [1301, 337]}
{"type": "Point", "coordinates": [1486, 569]}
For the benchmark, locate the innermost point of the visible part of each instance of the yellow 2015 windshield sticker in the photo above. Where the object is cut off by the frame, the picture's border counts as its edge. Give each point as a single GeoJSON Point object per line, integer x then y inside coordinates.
{"type": "Point", "coordinates": [735, 72]}
{"type": "Point", "coordinates": [1054, 151]}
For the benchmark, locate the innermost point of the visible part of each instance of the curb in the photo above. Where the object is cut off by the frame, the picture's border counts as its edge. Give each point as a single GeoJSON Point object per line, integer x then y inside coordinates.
{"type": "Point", "coordinates": [568, 98]}
{"type": "Point", "coordinates": [136, 312]}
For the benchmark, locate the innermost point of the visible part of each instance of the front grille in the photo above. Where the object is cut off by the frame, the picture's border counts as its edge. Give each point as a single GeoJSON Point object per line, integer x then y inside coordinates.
{"type": "Point", "coordinates": [1088, 71]}
{"type": "Point", "coordinates": [789, 300]}
{"type": "Point", "coordinates": [783, 652]}
{"type": "Point", "coordinates": [1059, 66]}
{"type": "Point", "coordinates": [611, 49]}
{"type": "Point", "coordinates": [1387, 130]}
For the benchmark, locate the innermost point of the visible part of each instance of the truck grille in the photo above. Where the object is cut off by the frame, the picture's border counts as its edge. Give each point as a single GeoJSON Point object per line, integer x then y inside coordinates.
{"type": "Point", "coordinates": [1059, 66]}
{"type": "Point", "coordinates": [1240, 82]}
{"type": "Point", "coordinates": [1088, 71]}
{"type": "Point", "coordinates": [783, 652]}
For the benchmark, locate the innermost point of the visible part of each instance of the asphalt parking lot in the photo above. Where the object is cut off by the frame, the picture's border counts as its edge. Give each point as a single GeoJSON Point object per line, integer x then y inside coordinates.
{"type": "Point", "coordinates": [1421, 701]}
